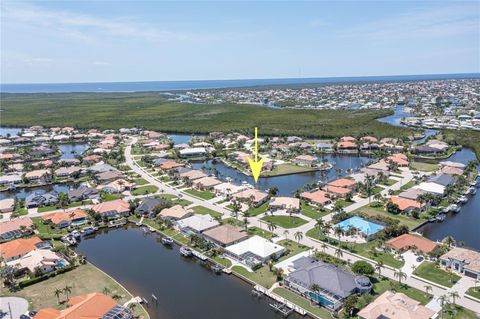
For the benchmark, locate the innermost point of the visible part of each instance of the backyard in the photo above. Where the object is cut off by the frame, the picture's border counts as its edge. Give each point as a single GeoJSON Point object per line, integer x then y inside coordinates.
{"type": "Point", "coordinates": [410, 222]}
{"type": "Point", "coordinates": [202, 194]}
{"type": "Point", "coordinates": [434, 273]}
{"type": "Point", "coordinates": [285, 221]}
{"type": "Point", "coordinates": [204, 211]}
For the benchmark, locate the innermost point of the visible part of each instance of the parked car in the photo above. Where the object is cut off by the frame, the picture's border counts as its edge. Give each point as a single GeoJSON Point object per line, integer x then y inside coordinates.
{"type": "Point", "coordinates": [419, 258]}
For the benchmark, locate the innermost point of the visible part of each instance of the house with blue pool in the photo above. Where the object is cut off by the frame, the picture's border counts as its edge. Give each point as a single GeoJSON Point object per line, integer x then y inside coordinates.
{"type": "Point", "coordinates": [366, 228]}
{"type": "Point", "coordinates": [325, 284]}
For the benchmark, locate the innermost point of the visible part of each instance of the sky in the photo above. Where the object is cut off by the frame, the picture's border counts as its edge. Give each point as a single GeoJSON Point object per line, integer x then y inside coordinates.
{"type": "Point", "coordinates": [113, 41]}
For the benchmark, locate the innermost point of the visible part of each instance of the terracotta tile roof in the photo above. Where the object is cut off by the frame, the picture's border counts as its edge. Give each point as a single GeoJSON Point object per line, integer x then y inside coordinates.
{"type": "Point", "coordinates": [170, 164]}
{"type": "Point", "coordinates": [90, 306]}
{"type": "Point", "coordinates": [118, 205]}
{"type": "Point", "coordinates": [346, 145]}
{"type": "Point", "coordinates": [342, 182]}
{"type": "Point", "coordinates": [226, 234]}
{"type": "Point", "coordinates": [57, 218]}
{"type": "Point", "coordinates": [337, 190]}
{"type": "Point", "coordinates": [318, 197]}
{"type": "Point", "coordinates": [405, 203]}
{"type": "Point", "coordinates": [348, 139]}
{"type": "Point", "coordinates": [18, 247]}
{"type": "Point", "coordinates": [407, 241]}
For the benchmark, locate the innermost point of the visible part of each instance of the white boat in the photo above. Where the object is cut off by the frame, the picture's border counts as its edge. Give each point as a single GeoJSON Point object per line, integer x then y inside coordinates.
{"type": "Point", "coordinates": [185, 251]}
{"type": "Point", "coordinates": [167, 241]}
{"type": "Point", "coordinates": [441, 217]}
{"type": "Point", "coordinates": [454, 208]}
{"type": "Point", "coordinates": [69, 240]}
{"type": "Point", "coordinates": [75, 234]}
{"type": "Point", "coordinates": [463, 200]}
{"type": "Point", "coordinates": [472, 190]}
{"type": "Point", "coordinates": [88, 230]}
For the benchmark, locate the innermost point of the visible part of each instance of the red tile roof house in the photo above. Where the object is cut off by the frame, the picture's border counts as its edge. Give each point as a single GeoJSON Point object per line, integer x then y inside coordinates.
{"type": "Point", "coordinates": [18, 248]}
{"type": "Point", "coordinates": [257, 197]}
{"type": "Point", "coordinates": [408, 241]}
{"type": "Point", "coordinates": [340, 187]}
{"type": "Point", "coordinates": [112, 209]}
{"type": "Point", "coordinates": [400, 159]}
{"type": "Point", "coordinates": [347, 147]}
{"type": "Point", "coordinates": [65, 219]}
{"type": "Point", "coordinates": [306, 160]}
{"type": "Point", "coordinates": [406, 205]}
{"type": "Point", "coordinates": [289, 204]}
{"type": "Point", "coordinates": [206, 183]}
{"type": "Point", "coordinates": [318, 197]}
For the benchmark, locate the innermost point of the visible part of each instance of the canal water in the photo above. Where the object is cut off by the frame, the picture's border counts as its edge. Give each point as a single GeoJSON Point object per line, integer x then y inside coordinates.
{"type": "Point", "coordinates": [70, 150]}
{"type": "Point", "coordinates": [144, 267]}
{"type": "Point", "coordinates": [21, 193]}
{"type": "Point", "coordinates": [288, 184]}
{"type": "Point", "coordinates": [9, 131]}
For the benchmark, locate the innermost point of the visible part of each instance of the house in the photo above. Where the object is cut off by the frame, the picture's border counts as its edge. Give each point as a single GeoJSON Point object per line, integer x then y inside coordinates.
{"type": "Point", "coordinates": [412, 193]}
{"type": "Point", "coordinates": [409, 241]}
{"type": "Point", "coordinates": [432, 188]}
{"type": "Point", "coordinates": [346, 147]}
{"type": "Point", "coordinates": [451, 170]}
{"type": "Point", "coordinates": [254, 251]}
{"type": "Point", "coordinates": [206, 183]}
{"type": "Point", "coordinates": [406, 205]}
{"type": "Point", "coordinates": [395, 305]}
{"type": "Point", "coordinates": [196, 224]}
{"type": "Point", "coordinates": [324, 147]}
{"type": "Point", "coordinates": [109, 176]}
{"type": "Point", "coordinates": [7, 205]}
{"type": "Point", "coordinates": [256, 197]}
{"type": "Point", "coordinates": [10, 179]}
{"type": "Point", "coordinates": [462, 260]}
{"type": "Point", "coordinates": [112, 209]}
{"type": "Point", "coordinates": [193, 152]}
{"type": "Point", "coordinates": [289, 204]}
{"type": "Point", "coordinates": [92, 159]}
{"type": "Point", "coordinates": [101, 168]}
{"type": "Point", "coordinates": [69, 162]}
{"type": "Point", "coordinates": [335, 283]}
{"type": "Point", "coordinates": [225, 235]}
{"type": "Point", "coordinates": [343, 183]}
{"type": "Point", "coordinates": [65, 219]}
{"type": "Point", "coordinates": [306, 160]}
{"type": "Point", "coordinates": [117, 186]}
{"type": "Point", "coordinates": [39, 174]}
{"type": "Point", "coordinates": [175, 213]}
{"type": "Point", "coordinates": [369, 139]}
{"type": "Point", "coordinates": [452, 164]}
{"type": "Point", "coordinates": [68, 171]}
{"type": "Point", "coordinates": [227, 189]}
{"type": "Point", "coordinates": [18, 248]}
{"type": "Point", "coordinates": [170, 164]}
{"type": "Point", "coordinates": [192, 175]}
{"type": "Point", "coordinates": [400, 159]}
{"type": "Point", "coordinates": [318, 197]}
{"type": "Point", "coordinates": [347, 139]}
{"type": "Point", "coordinates": [148, 205]}
{"type": "Point", "coordinates": [93, 305]}
{"type": "Point", "coordinates": [43, 260]}
{"type": "Point", "coordinates": [41, 198]}
{"type": "Point", "coordinates": [443, 179]}
{"type": "Point", "coordinates": [15, 228]}
{"type": "Point", "coordinates": [83, 193]}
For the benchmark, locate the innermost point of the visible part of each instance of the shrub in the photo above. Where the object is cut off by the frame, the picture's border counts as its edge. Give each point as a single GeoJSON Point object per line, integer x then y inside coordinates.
{"type": "Point", "coordinates": [362, 267]}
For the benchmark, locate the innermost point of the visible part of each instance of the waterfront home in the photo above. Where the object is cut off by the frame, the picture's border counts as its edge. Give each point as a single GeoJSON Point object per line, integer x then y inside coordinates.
{"type": "Point", "coordinates": [227, 189]}
{"type": "Point", "coordinates": [108, 176]}
{"type": "Point", "coordinates": [7, 205]}
{"type": "Point", "coordinates": [196, 224]}
{"type": "Point", "coordinates": [375, 173]}
{"type": "Point", "coordinates": [68, 171]}
{"type": "Point", "coordinates": [348, 139]}
{"type": "Point", "coordinates": [443, 179]}
{"type": "Point", "coordinates": [412, 193]}
{"type": "Point", "coordinates": [18, 248]}
{"type": "Point", "coordinates": [251, 195]}
{"type": "Point", "coordinates": [395, 305]}
{"type": "Point", "coordinates": [317, 197]}
{"type": "Point", "coordinates": [65, 219]}
{"type": "Point", "coordinates": [10, 179]}
{"type": "Point", "coordinates": [148, 205]}
{"type": "Point", "coordinates": [451, 170]}
{"type": "Point", "coordinates": [369, 139]}
{"type": "Point", "coordinates": [192, 174]}
{"type": "Point", "coordinates": [37, 175]}
{"type": "Point", "coordinates": [335, 283]}
{"type": "Point", "coordinates": [42, 260]}
{"type": "Point", "coordinates": [175, 213]}
{"type": "Point", "coordinates": [306, 160]}
{"type": "Point", "coordinates": [112, 209]}
{"type": "Point", "coordinates": [400, 159]}
{"type": "Point", "coordinates": [116, 186]}
{"type": "Point", "coordinates": [287, 204]}
{"type": "Point", "coordinates": [170, 164]}
{"type": "Point", "coordinates": [89, 159]}
{"type": "Point", "coordinates": [293, 139]}
{"type": "Point", "coordinates": [452, 164]}
{"type": "Point", "coordinates": [240, 157]}
{"type": "Point", "coordinates": [431, 147]}
{"type": "Point", "coordinates": [193, 152]}
{"type": "Point", "coordinates": [406, 242]}
{"type": "Point", "coordinates": [342, 182]}
{"type": "Point", "coordinates": [381, 166]}
{"type": "Point", "coordinates": [324, 147]}
{"type": "Point", "coordinates": [93, 305]}
{"type": "Point", "coordinates": [42, 164]}
{"type": "Point", "coordinates": [68, 162]}
{"type": "Point", "coordinates": [361, 226]}
{"type": "Point", "coordinates": [432, 188]}
{"type": "Point", "coordinates": [225, 235]}
{"type": "Point", "coordinates": [346, 147]}
{"type": "Point", "coordinates": [254, 251]}
{"type": "Point", "coordinates": [83, 193]}
{"type": "Point", "coordinates": [15, 228]}
{"type": "Point", "coordinates": [41, 198]}
{"type": "Point", "coordinates": [462, 260]}
{"type": "Point", "coordinates": [101, 168]}
{"type": "Point", "coordinates": [206, 183]}
{"type": "Point", "coordinates": [406, 205]}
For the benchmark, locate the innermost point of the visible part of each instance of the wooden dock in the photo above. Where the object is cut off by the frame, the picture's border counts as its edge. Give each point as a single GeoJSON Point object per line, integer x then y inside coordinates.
{"type": "Point", "coordinates": [284, 302]}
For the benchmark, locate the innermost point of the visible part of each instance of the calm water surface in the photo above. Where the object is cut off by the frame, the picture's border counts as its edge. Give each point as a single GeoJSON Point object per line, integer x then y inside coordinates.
{"type": "Point", "coordinates": [21, 193]}
{"type": "Point", "coordinates": [71, 150]}
{"type": "Point", "coordinates": [185, 289]}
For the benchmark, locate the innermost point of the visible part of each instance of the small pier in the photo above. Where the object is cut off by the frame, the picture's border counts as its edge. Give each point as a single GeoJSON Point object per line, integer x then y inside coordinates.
{"type": "Point", "coordinates": [281, 308]}
{"type": "Point", "coordinates": [200, 256]}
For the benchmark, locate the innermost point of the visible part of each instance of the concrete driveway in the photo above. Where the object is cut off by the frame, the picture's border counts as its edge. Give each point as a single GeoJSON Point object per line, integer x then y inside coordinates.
{"type": "Point", "coordinates": [410, 260]}
{"type": "Point", "coordinates": [14, 307]}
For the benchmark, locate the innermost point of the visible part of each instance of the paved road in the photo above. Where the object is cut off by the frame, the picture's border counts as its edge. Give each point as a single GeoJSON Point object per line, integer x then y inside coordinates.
{"type": "Point", "coordinates": [14, 307]}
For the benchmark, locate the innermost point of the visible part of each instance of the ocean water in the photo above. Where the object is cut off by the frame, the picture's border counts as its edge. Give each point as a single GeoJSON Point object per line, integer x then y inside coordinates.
{"type": "Point", "coordinates": [210, 84]}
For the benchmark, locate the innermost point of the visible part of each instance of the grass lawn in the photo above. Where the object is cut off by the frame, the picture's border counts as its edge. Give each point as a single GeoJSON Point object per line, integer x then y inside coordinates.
{"type": "Point", "coordinates": [20, 212]}
{"type": "Point", "coordinates": [382, 285]}
{"type": "Point", "coordinates": [293, 247]}
{"type": "Point", "coordinates": [70, 205]}
{"type": "Point", "coordinates": [165, 231]}
{"type": "Point", "coordinates": [286, 169]}
{"type": "Point", "coordinates": [285, 221]}
{"type": "Point", "coordinates": [390, 182]}
{"type": "Point", "coordinates": [222, 261]}
{"type": "Point", "coordinates": [434, 273]}
{"type": "Point", "coordinates": [202, 194]}
{"type": "Point", "coordinates": [260, 232]}
{"type": "Point", "coordinates": [410, 222]}
{"type": "Point", "coordinates": [233, 221]}
{"type": "Point", "coordinates": [83, 280]}
{"type": "Point", "coordinates": [45, 229]}
{"type": "Point", "coordinates": [302, 302]}
{"type": "Point", "coordinates": [262, 276]}
{"type": "Point", "coordinates": [365, 250]}
{"type": "Point", "coordinates": [457, 312]}
{"type": "Point", "coordinates": [257, 210]}
{"type": "Point", "coordinates": [182, 202]}
{"type": "Point", "coordinates": [143, 190]}
{"type": "Point", "coordinates": [203, 211]}
{"type": "Point", "coordinates": [408, 185]}
{"type": "Point", "coordinates": [474, 292]}
{"type": "Point", "coordinates": [312, 212]}
{"type": "Point", "coordinates": [424, 167]}
{"type": "Point", "coordinates": [140, 181]}
{"type": "Point", "coordinates": [343, 203]}
{"type": "Point", "coordinates": [108, 197]}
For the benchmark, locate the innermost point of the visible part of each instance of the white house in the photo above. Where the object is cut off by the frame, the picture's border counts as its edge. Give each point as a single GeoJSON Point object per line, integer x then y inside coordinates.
{"type": "Point", "coordinates": [255, 250]}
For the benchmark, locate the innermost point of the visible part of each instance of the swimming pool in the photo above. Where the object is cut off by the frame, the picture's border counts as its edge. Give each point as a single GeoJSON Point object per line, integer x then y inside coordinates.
{"type": "Point", "coordinates": [79, 222]}
{"type": "Point", "coordinates": [62, 263]}
{"type": "Point", "coordinates": [366, 227]}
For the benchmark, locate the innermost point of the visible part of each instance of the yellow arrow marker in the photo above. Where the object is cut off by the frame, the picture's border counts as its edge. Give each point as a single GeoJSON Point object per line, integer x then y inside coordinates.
{"type": "Point", "coordinates": [256, 166]}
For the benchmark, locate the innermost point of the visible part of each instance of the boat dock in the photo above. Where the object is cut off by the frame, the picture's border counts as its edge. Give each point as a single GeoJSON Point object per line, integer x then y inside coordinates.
{"type": "Point", "coordinates": [283, 304]}
{"type": "Point", "coordinates": [200, 256]}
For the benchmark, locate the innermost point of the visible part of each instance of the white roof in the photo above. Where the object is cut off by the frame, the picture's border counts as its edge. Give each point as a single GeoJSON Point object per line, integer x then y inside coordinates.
{"type": "Point", "coordinates": [431, 187]}
{"type": "Point", "coordinates": [36, 258]}
{"type": "Point", "coordinates": [194, 150]}
{"type": "Point", "coordinates": [256, 245]}
{"type": "Point", "coordinates": [198, 223]}
{"type": "Point", "coordinates": [222, 188]}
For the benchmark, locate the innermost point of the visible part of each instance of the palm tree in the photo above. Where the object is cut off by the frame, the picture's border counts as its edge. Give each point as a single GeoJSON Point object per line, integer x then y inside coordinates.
{"type": "Point", "coordinates": [315, 288]}
{"type": "Point", "coordinates": [324, 247]}
{"type": "Point", "coordinates": [58, 293]}
{"type": "Point", "coordinates": [338, 252]}
{"type": "Point", "coordinates": [298, 236]}
{"type": "Point", "coordinates": [400, 275]}
{"type": "Point", "coordinates": [285, 233]}
{"type": "Point", "coordinates": [443, 301]}
{"type": "Point", "coordinates": [320, 224]}
{"type": "Point", "coordinates": [454, 295]}
{"type": "Point", "coordinates": [428, 288]}
{"type": "Point", "coordinates": [106, 291]}
{"type": "Point", "coordinates": [449, 240]}
{"type": "Point", "coordinates": [379, 266]}
{"type": "Point", "coordinates": [116, 297]}
{"type": "Point", "coordinates": [327, 227]}
{"type": "Point", "coordinates": [132, 306]}
{"type": "Point", "coordinates": [271, 227]}
{"type": "Point", "coordinates": [67, 290]}
{"type": "Point", "coordinates": [338, 232]}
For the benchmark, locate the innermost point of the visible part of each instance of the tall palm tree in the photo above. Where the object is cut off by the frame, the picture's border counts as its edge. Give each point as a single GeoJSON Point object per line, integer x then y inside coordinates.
{"type": "Point", "coordinates": [106, 291]}
{"type": "Point", "coordinates": [320, 224]}
{"type": "Point", "coordinates": [327, 227]}
{"type": "Point", "coordinates": [116, 297]}
{"type": "Point", "coordinates": [338, 252]}
{"type": "Point", "coordinates": [271, 227]}
{"type": "Point", "coordinates": [57, 294]}
{"type": "Point", "coordinates": [67, 290]}
{"type": "Point", "coordinates": [400, 275]}
{"type": "Point", "coordinates": [379, 267]}
{"type": "Point", "coordinates": [443, 301]}
{"type": "Point", "coordinates": [338, 232]}
{"type": "Point", "coordinates": [298, 236]}
{"type": "Point", "coordinates": [428, 288]}
{"type": "Point", "coordinates": [454, 295]}
{"type": "Point", "coordinates": [324, 247]}
{"type": "Point", "coordinates": [285, 233]}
